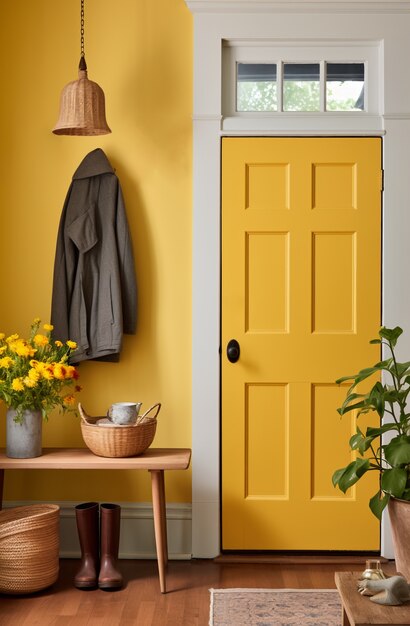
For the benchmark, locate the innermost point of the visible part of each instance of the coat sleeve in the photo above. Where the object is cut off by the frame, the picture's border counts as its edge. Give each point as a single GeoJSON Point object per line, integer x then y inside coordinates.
{"type": "Point", "coordinates": [126, 267]}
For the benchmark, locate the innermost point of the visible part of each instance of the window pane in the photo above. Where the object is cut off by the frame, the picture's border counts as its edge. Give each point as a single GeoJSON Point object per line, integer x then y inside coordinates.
{"type": "Point", "coordinates": [256, 87]}
{"type": "Point", "coordinates": [301, 87]}
{"type": "Point", "coordinates": [345, 86]}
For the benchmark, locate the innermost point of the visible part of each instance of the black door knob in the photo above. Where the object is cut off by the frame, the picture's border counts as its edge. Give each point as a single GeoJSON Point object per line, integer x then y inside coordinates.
{"type": "Point", "coordinates": [233, 351]}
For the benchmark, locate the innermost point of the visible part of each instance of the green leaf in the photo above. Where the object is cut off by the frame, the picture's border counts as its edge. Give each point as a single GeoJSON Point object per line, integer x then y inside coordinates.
{"type": "Point", "coordinates": [377, 388]}
{"type": "Point", "coordinates": [376, 398]}
{"type": "Point", "coordinates": [336, 476]}
{"type": "Point", "coordinates": [339, 381]}
{"type": "Point", "coordinates": [390, 334]}
{"type": "Point", "coordinates": [353, 472]}
{"type": "Point", "coordinates": [378, 503]}
{"type": "Point", "coordinates": [362, 375]}
{"type": "Point", "coordinates": [375, 341]}
{"type": "Point", "coordinates": [353, 396]}
{"type": "Point", "coordinates": [348, 399]}
{"type": "Point", "coordinates": [385, 365]}
{"type": "Point", "coordinates": [394, 481]}
{"type": "Point", "coordinates": [345, 409]}
{"type": "Point", "coordinates": [375, 432]}
{"type": "Point", "coordinates": [397, 451]}
{"type": "Point", "coordinates": [360, 442]}
{"type": "Point", "coordinates": [392, 395]}
{"type": "Point", "coordinates": [355, 440]}
{"type": "Point", "coordinates": [402, 368]}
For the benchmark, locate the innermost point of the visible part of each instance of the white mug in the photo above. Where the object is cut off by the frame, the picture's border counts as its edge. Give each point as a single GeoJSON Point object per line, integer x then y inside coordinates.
{"type": "Point", "coordinates": [124, 412]}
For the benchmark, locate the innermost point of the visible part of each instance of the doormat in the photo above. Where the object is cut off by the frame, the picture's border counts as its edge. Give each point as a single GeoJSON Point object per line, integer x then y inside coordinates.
{"type": "Point", "coordinates": [278, 607]}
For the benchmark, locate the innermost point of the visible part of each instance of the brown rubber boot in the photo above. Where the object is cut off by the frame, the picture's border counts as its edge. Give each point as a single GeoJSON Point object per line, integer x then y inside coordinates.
{"type": "Point", "coordinates": [88, 533]}
{"type": "Point", "coordinates": [110, 577]}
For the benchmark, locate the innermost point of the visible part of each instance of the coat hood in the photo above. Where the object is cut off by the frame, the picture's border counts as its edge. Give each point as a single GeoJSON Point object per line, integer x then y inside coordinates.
{"type": "Point", "coordinates": [94, 164]}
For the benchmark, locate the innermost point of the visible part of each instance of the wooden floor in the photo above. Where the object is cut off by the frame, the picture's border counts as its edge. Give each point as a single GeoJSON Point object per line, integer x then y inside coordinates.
{"type": "Point", "coordinates": [141, 603]}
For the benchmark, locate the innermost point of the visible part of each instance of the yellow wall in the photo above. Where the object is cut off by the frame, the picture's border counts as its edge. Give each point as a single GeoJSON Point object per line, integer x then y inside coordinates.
{"type": "Point", "coordinates": [140, 52]}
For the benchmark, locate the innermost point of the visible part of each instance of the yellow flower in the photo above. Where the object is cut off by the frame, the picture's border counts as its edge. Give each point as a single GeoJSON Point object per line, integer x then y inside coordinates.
{"type": "Point", "coordinates": [47, 371]}
{"type": "Point", "coordinates": [33, 374]}
{"type": "Point", "coordinates": [12, 338]}
{"type": "Point", "coordinates": [17, 384]}
{"type": "Point", "coordinates": [69, 400]}
{"type": "Point", "coordinates": [40, 340]}
{"type": "Point", "coordinates": [71, 371]}
{"type": "Point", "coordinates": [22, 348]}
{"type": "Point", "coordinates": [2, 335]}
{"type": "Point", "coordinates": [12, 346]}
{"type": "Point", "coordinates": [3, 349]}
{"type": "Point", "coordinates": [6, 362]}
{"type": "Point", "coordinates": [58, 343]}
{"type": "Point", "coordinates": [48, 327]}
{"type": "Point", "coordinates": [71, 344]}
{"type": "Point", "coordinates": [44, 369]}
{"type": "Point", "coordinates": [60, 371]}
{"type": "Point", "coordinates": [29, 382]}
{"type": "Point", "coordinates": [36, 320]}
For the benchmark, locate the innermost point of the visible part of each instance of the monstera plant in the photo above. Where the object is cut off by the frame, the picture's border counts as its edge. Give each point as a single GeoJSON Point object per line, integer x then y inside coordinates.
{"type": "Point", "coordinates": [391, 457]}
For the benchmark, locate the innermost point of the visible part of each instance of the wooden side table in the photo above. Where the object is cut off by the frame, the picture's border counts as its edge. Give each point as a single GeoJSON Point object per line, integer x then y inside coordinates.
{"type": "Point", "coordinates": [154, 460]}
{"type": "Point", "coordinates": [358, 610]}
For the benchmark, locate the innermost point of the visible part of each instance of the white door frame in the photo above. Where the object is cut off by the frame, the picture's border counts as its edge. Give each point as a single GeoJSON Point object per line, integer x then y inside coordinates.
{"type": "Point", "coordinates": [215, 21]}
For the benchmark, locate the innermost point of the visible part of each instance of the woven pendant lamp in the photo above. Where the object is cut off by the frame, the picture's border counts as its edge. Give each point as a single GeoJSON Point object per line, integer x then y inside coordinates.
{"type": "Point", "coordinates": [82, 102]}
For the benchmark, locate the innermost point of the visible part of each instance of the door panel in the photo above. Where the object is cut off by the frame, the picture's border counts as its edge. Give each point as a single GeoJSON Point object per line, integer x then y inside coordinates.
{"type": "Point", "coordinates": [301, 292]}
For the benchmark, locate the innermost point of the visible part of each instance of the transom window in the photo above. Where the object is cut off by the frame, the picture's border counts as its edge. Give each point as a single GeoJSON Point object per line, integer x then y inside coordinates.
{"type": "Point", "coordinates": [291, 86]}
{"type": "Point", "coordinates": [300, 77]}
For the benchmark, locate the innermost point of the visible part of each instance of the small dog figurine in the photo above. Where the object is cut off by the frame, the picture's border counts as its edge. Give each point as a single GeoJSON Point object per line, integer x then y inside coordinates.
{"type": "Point", "coordinates": [391, 591]}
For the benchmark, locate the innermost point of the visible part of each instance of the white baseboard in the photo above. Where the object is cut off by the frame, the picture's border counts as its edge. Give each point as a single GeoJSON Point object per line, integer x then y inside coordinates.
{"type": "Point", "coordinates": [137, 539]}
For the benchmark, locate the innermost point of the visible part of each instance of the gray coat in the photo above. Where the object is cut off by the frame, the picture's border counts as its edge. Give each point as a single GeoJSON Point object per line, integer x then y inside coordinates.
{"type": "Point", "coordinates": [94, 288]}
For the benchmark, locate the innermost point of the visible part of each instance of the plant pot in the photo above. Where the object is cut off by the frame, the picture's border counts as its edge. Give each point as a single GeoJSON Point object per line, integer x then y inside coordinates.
{"type": "Point", "coordinates": [24, 438]}
{"type": "Point", "coordinates": [399, 513]}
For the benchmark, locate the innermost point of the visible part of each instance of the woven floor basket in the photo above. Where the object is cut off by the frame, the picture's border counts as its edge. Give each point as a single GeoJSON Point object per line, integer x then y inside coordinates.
{"type": "Point", "coordinates": [120, 441]}
{"type": "Point", "coordinates": [29, 548]}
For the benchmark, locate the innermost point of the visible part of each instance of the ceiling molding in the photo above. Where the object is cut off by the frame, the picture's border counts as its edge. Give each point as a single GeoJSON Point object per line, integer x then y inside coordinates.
{"type": "Point", "coordinates": [298, 6]}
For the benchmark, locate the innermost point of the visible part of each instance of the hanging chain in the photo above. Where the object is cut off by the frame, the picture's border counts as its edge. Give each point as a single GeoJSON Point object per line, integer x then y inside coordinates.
{"type": "Point", "coordinates": [82, 29]}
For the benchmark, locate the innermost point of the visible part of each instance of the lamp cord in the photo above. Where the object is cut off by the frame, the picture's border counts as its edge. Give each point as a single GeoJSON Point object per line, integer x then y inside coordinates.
{"type": "Point", "coordinates": [82, 65]}
{"type": "Point", "coordinates": [82, 28]}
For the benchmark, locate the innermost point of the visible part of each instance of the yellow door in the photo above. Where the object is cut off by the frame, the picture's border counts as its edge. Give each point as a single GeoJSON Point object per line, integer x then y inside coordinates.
{"type": "Point", "coordinates": [301, 294]}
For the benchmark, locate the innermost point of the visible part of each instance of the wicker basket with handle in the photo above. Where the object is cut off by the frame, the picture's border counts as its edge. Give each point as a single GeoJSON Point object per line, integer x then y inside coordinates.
{"type": "Point", "coordinates": [119, 441]}
{"type": "Point", "coordinates": [29, 548]}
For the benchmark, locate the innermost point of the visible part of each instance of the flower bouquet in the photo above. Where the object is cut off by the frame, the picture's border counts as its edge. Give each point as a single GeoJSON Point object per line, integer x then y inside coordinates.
{"type": "Point", "coordinates": [35, 373]}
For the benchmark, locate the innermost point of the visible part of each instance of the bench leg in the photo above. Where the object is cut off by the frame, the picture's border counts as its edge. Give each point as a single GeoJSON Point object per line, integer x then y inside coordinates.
{"type": "Point", "coordinates": [160, 523]}
{"type": "Point", "coordinates": [163, 518]}
{"type": "Point", "coordinates": [345, 619]}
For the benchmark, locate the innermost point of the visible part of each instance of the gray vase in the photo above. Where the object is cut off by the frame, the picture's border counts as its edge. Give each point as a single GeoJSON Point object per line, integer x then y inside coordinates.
{"type": "Point", "coordinates": [23, 439]}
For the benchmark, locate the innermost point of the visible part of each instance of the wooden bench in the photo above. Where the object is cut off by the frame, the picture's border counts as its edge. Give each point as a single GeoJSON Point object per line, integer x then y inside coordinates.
{"type": "Point", "coordinates": [154, 460]}
{"type": "Point", "coordinates": [358, 610]}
